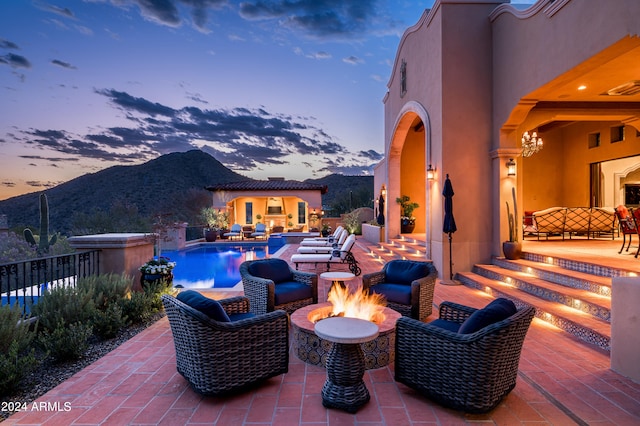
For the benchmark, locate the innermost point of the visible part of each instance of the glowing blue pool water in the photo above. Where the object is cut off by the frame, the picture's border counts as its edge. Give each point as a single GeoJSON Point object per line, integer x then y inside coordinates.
{"type": "Point", "coordinates": [212, 266]}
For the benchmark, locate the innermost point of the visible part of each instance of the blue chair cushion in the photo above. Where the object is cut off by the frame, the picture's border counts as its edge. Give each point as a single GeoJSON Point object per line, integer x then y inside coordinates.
{"type": "Point", "coordinates": [495, 311]}
{"type": "Point", "coordinates": [276, 270]}
{"type": "Point", "coordinates": [405, 271]}
{"type": "Point", "coordinates": [211, 308]}
{"type": "Point", "coordinates": [447, 325]}
{"type": "Point", "coordinates": [238, 317]}
{"type": "Point", "coordinates": [397, 293]}
{"type": "Point", "coordinates": [290, 291]}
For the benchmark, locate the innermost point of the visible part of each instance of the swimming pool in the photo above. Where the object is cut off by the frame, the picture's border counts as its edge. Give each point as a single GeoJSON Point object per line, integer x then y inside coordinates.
{"type": "Point", "coordinates": [212, 265]}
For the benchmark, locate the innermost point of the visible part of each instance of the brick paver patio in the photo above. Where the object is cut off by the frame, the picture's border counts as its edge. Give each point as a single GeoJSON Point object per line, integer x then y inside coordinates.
{"type": "Point", "coordinates": [561, 381]}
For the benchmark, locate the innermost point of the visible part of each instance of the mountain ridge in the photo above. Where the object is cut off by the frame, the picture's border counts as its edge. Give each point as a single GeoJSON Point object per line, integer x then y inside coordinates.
{"type": "Point", "coordinates": [173, 183]}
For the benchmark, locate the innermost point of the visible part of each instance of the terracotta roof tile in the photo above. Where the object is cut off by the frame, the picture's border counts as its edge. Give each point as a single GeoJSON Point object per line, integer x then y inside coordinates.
{"type": "Point", "coordinates": [268, 185]}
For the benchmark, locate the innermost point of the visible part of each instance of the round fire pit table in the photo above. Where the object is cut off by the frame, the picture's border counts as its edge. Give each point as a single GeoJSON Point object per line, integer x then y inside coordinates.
{"type": "Point", "coordinates": [344, 387]}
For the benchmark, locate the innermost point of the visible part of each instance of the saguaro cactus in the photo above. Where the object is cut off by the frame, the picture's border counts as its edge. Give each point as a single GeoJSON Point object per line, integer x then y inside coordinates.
{"type": "Point", "coordinates": [45, 242]}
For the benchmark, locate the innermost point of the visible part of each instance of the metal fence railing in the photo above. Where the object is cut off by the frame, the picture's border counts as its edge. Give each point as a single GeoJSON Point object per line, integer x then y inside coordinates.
{"type": "Point", "coordinates": [23, 282]}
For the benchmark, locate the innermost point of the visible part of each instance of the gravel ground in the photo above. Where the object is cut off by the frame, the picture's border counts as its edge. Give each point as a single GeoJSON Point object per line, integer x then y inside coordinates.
{"type": "Point", "coordinates": [48, 375]}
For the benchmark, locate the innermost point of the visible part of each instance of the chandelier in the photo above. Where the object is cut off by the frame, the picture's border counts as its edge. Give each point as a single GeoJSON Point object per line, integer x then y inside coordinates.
{"type": "Point", "coordinates": [530, 144]}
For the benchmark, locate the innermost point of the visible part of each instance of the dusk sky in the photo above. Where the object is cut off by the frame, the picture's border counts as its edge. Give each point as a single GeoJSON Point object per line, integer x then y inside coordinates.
{"type": "Point", "coordinates": [289, 88]}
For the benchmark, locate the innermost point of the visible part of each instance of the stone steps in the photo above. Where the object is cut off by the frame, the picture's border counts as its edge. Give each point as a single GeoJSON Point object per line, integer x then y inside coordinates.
{"type": "Point", "coordinates": [571, 295]}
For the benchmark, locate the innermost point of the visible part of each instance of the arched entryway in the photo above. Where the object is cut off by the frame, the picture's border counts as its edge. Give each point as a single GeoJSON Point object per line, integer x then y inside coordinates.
{"type": "Point", "coordinates": [408, 156]}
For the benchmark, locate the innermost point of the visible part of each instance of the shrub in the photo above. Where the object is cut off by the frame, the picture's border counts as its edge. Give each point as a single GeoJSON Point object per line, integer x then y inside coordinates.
{"type": "Point", "coordinates": [14, 366]}
{"type": "Point", "coordinates": [17, 356]}
{"type": "Point", "coordinates": [65, 343]}
{"type": "Point", "coordinates": [64, 305]}
{"type": "Point", "coordinates": [352, 222]}
{"type": "Point", "coordinates": [108, 322]}
{"type": "Point", "coordinates": [14, 328]}
{"type": "Point", "coordinates": [108, 293]}
{"type": "Point", "coordinates": [14, 248]}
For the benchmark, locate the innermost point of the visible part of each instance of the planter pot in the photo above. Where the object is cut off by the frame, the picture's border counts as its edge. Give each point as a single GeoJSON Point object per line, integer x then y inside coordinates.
{"type": "Point", "coordinates": [512, 250]}
{"type": "Point", "coordinates": [152, 278]}
{"type": "Point", "coordinates": [210, 235]}
{"type": "Point", "coordinates": [407, 226]}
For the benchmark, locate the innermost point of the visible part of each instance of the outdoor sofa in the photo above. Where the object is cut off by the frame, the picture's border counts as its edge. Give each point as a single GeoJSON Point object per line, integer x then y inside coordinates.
{"type": "Point", "coordinates": [561, 221]}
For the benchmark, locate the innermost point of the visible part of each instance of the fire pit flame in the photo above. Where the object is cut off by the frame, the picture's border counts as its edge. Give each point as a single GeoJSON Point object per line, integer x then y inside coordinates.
{"type": "Point", "coordinates": [360, 304]}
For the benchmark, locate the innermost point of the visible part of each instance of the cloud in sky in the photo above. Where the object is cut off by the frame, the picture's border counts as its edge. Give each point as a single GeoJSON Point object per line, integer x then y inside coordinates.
{"type": "Point", "coordinates": [268, 87]}
{"type": "Point", "coordinates": [241, 138]}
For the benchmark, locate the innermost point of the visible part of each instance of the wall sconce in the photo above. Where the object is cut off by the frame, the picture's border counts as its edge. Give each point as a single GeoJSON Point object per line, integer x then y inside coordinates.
{"type": "Point", "coordinates": [431, 173]}
{"type": "Point", "coordinates": [383, 191]}
{"type": "Point", "coordinates": [511, 167]}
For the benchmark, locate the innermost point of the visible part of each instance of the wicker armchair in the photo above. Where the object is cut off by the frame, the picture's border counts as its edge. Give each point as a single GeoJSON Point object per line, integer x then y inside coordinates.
{"type": "Point", "coordinates": [468, 372]}
{"type": "Point", "coordinates": [271, 284]}
{"type": "Point", "coordinates": [220, 357]}
{"type": "Point", "coordinates": [408, 286]}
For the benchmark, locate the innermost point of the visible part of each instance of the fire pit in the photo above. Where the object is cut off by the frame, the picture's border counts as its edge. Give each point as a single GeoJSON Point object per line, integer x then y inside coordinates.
{"type": "Point", "coordinates": [313, 350]}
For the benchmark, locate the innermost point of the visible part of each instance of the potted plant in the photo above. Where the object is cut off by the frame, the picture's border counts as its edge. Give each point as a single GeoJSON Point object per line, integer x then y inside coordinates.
{"type": "Point", "coordinates": [326, 230]}
{"type": "Point", "coordinates": [215, 221]}
{"type": "Point", "coordinates": [512, 248]}
{"type": "Point", "coordinates": [407, 220]}
{"type": "Point", "coordinates": [159, 268]}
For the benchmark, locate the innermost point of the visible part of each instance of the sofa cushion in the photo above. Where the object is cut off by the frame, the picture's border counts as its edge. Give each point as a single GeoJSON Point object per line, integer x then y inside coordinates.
{"type": "Point", "coordinates": [276, 270]}
{"type": "Point", "coordinates": [290, 291]}
{"type": "Point", "coordinates": [405, 271]}
{"type": "Point", "coordinates": [211, 308]}
{"type": "Point", "coordinates": [495, 311]}
{"type": "Point", "coordinates": [396, 293]}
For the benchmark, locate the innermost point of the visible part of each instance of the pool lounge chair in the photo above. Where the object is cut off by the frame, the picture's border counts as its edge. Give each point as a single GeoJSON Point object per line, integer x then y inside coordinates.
{"type": "Point", "coordinates": [333, 235]}
{"type": "Point", "coordinates": [340, 257]}
{"type": "Point", "coordinates": [261, 231]}
{"type": "Point", "coordinates": [235, 231]}
{"type": "Point", "coordinates": [339, 238]}
{"type": "Point", "coordinates": [324, 246]}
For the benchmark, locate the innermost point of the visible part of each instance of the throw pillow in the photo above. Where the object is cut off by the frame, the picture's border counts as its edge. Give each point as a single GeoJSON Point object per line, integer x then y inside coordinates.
{"type": "Point", "coordinates": [276, 270]}
{"type": "Point", "coordinates": [211, 308]}
{"type": "Point", "coordinates": [495, 311]}
{"type": "Point", "coordinates": [405, 271]}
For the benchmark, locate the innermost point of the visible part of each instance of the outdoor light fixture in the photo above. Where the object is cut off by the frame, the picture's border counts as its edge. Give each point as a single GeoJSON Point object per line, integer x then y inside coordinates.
{"type": "Point", "coordinates": [431, 173]}
{"type": "Point", "coordinates": [383, 191]}
{"type": "Point", "coordinates": [511, 167]}
{"type": "Point", "coordinates": [530, 144]}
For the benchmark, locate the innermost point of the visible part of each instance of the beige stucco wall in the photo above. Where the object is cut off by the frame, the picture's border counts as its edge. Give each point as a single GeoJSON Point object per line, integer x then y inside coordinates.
{"type": "Point", "coordinates": [456, 111]}
{"type": "Point", "coordinates": [475, 70]}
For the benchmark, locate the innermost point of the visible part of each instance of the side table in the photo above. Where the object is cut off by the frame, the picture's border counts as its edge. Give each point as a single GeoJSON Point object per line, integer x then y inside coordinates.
{"type": "Point", "coordinates": [337, 278]}
{"type": "Point", "coordinates": [344, 387]}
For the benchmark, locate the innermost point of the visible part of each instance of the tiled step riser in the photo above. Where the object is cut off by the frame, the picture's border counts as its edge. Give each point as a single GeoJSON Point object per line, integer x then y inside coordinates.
{"type": "Point", "coordinates": [580, 332]}
{"type": "Point", "coordinates": [572, 265]}
{"type": "Point", "coordinates": [556, 278]}
{"type": "Point", "coordinates": [546, 294]}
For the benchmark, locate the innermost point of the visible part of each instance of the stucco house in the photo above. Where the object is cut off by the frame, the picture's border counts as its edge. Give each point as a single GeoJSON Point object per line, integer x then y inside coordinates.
{"type": "Point", "coordinates": [276, 202]}
{"type": "Point", "coordinates": [471, 77]}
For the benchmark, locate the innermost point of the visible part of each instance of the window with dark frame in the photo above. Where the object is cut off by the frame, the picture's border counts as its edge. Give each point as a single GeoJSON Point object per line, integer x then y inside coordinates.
{"type": "Point", "coordinates": [617, 134]}
{"type": "Point", "coordinates": [302, 212]}
{"type": "Point", "coordinates": [248, 208]}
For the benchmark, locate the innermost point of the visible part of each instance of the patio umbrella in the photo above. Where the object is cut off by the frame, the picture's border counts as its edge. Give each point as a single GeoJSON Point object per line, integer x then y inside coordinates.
{"type": "Point", "coordinates": [449, 223]}
{"type": "Point", "coordinates": [380, 218]}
